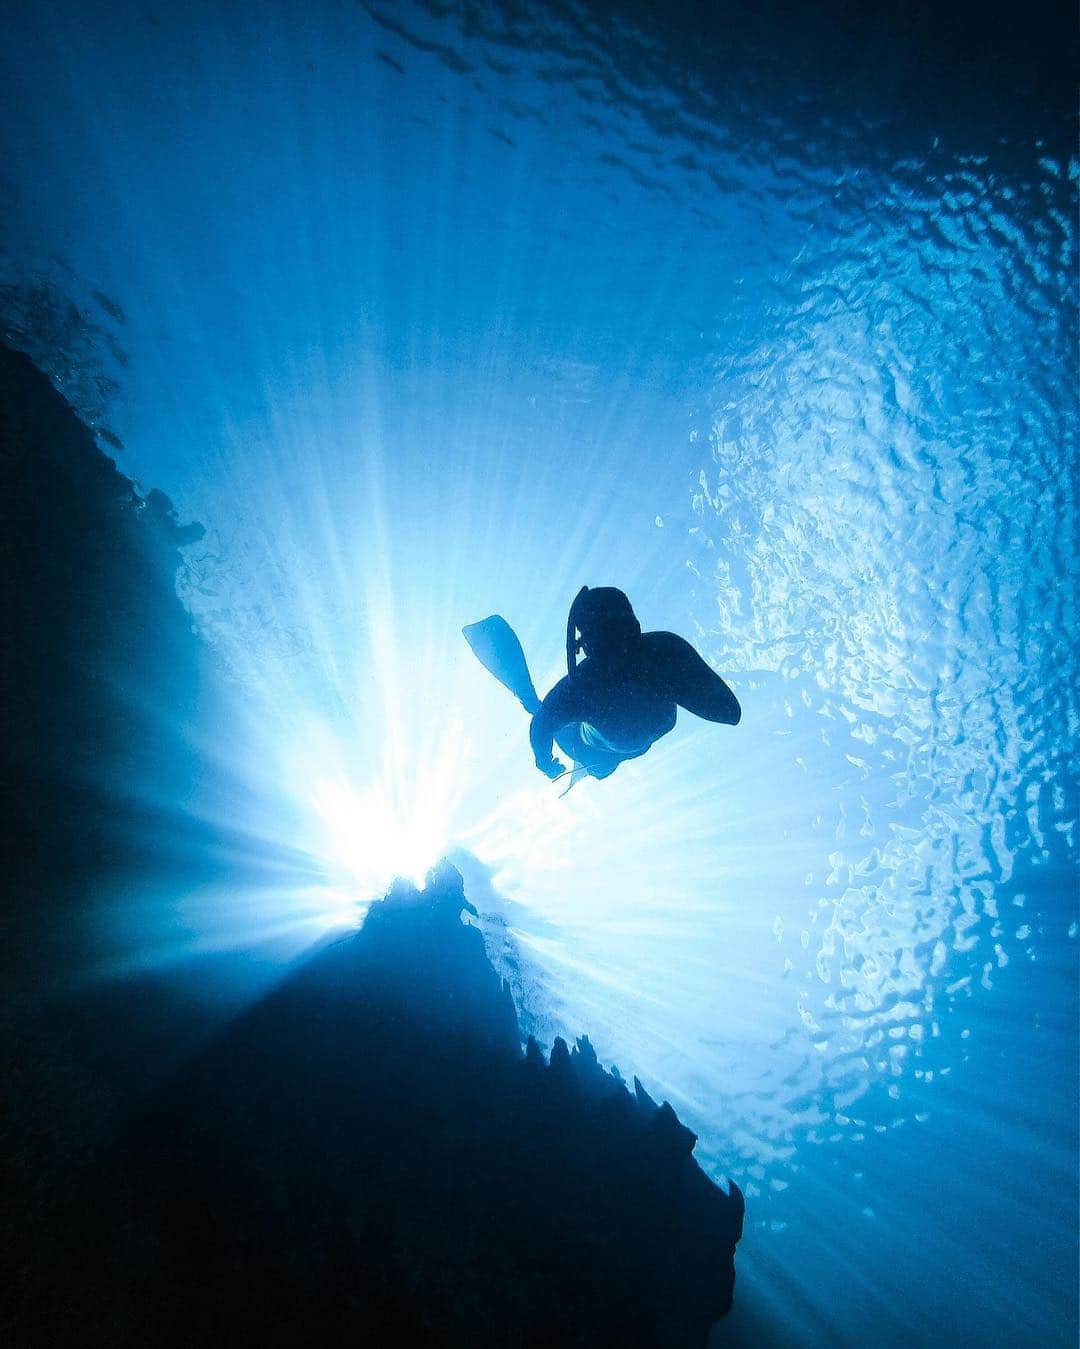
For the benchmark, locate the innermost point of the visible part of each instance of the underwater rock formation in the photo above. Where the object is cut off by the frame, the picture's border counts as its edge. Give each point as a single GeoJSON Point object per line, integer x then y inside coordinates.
{"type": "Point", "coordinates": [100, 675]}
{"type": "Point", "coordinates": [95, 645]}
{"type": "Point", "coordinates": [368, 1153]}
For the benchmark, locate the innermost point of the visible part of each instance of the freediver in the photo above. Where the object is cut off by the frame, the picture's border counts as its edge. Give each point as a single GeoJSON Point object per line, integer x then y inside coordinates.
{"type": "Point", "coordinates": [620, 699]}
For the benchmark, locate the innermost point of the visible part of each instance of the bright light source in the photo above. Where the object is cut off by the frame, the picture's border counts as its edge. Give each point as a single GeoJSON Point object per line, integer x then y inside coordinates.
{"type": "Point", "coordinates": [372, 835]}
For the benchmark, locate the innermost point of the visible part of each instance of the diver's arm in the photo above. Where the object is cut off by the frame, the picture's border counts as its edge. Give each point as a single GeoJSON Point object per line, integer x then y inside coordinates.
{"type": "Point", "coordinates": [689, 681]}
{"type": "Point", "coordinates": [556, 711]}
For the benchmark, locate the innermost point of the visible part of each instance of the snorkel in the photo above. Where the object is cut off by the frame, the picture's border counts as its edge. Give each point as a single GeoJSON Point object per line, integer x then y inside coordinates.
{"type": "Point", "coordinates": [573, 642]}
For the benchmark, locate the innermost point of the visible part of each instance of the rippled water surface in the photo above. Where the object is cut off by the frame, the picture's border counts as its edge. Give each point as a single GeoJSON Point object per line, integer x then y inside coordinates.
{"type": "Point", "coordinates": [431, 313]}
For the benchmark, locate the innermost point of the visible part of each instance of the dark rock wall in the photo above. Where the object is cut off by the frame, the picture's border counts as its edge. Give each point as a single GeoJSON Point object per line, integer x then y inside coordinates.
{"type": "Point", "coordinates": [99, 677]}
{"type": "Point", "coordinates": [99, 670]}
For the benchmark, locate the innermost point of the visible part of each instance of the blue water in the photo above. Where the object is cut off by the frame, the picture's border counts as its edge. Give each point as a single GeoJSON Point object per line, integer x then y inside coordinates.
{"type": "Point", "coordinates": [427, 315]}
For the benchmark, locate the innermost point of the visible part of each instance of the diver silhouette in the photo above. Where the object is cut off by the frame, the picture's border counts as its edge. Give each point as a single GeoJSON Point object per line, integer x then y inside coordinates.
{"type": "Point", "coordinates": [619, 700]}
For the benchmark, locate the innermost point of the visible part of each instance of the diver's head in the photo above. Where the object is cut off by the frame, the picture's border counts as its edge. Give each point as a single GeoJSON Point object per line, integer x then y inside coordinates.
{"type": "Point", "coordinates": [606, 623]}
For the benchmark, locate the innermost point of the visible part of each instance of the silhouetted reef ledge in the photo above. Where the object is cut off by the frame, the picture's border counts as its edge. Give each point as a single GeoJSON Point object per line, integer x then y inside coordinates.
{"type": "Point", "coordinates": [370, 1153]}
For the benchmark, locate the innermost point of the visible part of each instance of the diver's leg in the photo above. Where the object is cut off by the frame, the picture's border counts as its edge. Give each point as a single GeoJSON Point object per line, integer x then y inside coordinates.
{"type": "Point", "coordinates": [684, 677]}
{"type": "Point", "coordinates": [601, 763]}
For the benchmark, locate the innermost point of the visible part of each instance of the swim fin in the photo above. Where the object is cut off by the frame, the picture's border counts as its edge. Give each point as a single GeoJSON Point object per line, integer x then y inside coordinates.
{"type": "Point", "coordinates": [496, 647]}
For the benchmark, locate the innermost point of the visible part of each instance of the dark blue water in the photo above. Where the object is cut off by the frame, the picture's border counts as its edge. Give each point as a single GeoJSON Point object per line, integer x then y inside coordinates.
{"type": "Point", "coordinates": [429, 314]}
